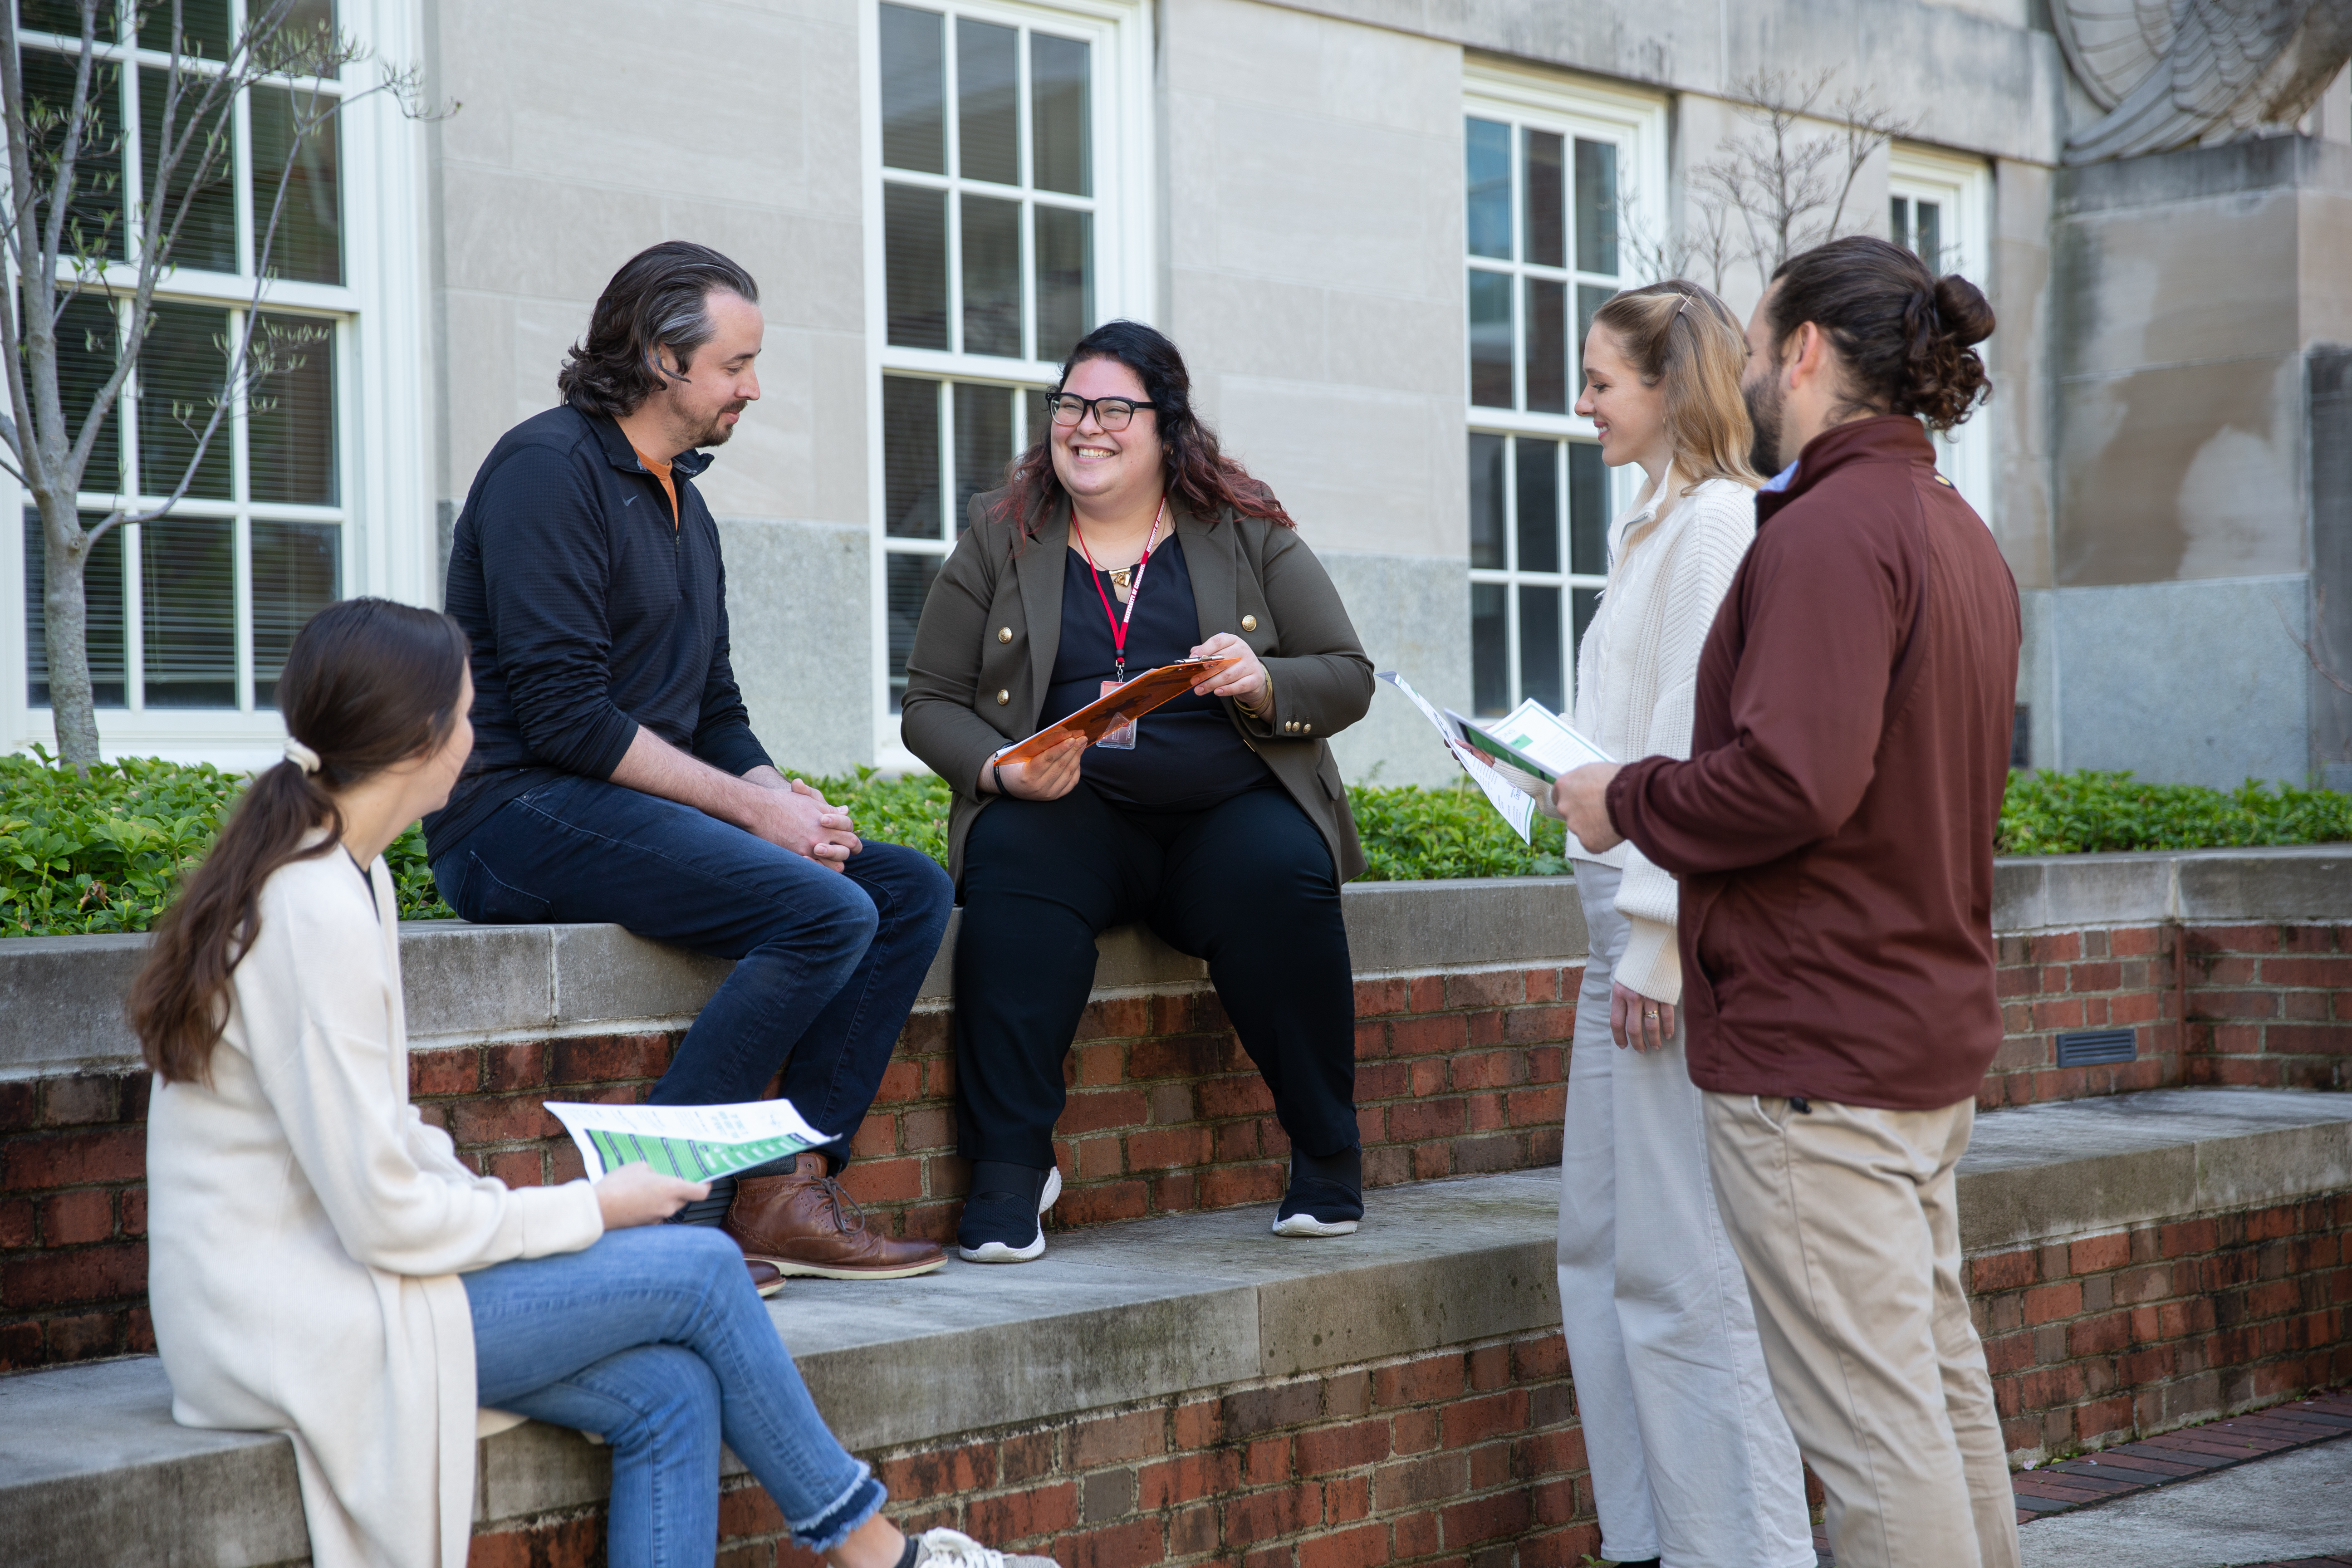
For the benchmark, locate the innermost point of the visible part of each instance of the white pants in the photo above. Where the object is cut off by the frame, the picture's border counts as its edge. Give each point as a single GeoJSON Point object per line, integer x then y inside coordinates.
{"type": "Point", "coordinates": [1847, 1220]}
{"type": "Point", "coordinates": [1691, 1460]}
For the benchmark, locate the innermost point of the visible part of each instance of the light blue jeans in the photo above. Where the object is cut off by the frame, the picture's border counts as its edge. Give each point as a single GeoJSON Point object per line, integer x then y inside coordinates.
{"type": "Point", "coordinates": [654, 1339]}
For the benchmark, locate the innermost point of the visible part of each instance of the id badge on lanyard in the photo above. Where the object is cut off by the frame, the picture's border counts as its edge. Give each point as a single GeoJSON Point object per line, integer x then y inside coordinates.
{"type": "Point", "coordinates": [1121, 739]}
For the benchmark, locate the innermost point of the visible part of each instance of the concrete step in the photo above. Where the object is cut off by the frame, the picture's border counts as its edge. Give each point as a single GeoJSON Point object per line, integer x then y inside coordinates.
{"type": "Point", "coordinates": [93, 1471]}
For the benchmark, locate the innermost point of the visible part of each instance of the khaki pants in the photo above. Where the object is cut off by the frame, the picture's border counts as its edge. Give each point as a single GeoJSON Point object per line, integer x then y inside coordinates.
{"type": "Point", "coordinates": [1845, 1223]}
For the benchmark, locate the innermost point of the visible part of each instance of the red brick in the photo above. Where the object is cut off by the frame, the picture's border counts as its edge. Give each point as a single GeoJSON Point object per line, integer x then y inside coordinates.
{"type": "Point", "coordinates": [1346, 1447]}
{"type": "Point", "coordinates": [2002, 1271]}
{"type": "Point", "coordinates": [81, 1099]}
{"type": "Point", "coordinates": [73, 1159]}
{"type": "Point", "coordinates": [1473, 1421]}
{"type": "Point", "coordinates": [1113, 1439]}
{"type": "Point", "coordinates": [79, 1274]}
{"type": "Point", "coordinates": [1136, 1544]}
{"type": "Point", "coordinates": [517, 1167]}
{"type": "Point", "coordinates": [2098, 1253]}
{"type": "Point", "coordinates": [1484, 1518]}
{"type": "Point", "coordinates": [610, 1058]}
{"type": "Point", "coordinates": [70, 1219]}
{"type": "Point", "coordinates": [519, 1065]}
{"type": "Point", "coordinates": [1027, 1457]}
{"type": "Point", "coordinates": [1258, 1516]}
{"type": "Point", "coordinates": [879, 1182]}
{"type": "Point", "coordinates": [519, 1119]}
{"type": "Point", "coordinates": [432, 1073]}
{"type": "Point", "coordinates": [1187, 1479]}
{"type": "Point", "coordinates": [1364, 1546]}
{"type": "Point", "coordinates": [1419, 1382]}
{"type": "Point", "coordinates": [2048, 1303]}
{"type": "Point", "coordinates": [1425, 1036]}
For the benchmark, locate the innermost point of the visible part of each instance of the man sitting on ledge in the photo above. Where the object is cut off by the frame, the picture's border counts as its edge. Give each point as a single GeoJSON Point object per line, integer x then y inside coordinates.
{"type": "Point", "coordinates": [614, 775]}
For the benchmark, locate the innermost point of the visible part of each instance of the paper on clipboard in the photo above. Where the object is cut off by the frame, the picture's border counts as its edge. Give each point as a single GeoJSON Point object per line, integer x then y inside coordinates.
{"type": "Point", "coordinates": [696, 1142]}
{"type": "Point", "coordinates": [1517, 808]}
{"type": "Point", "coordinates": [1133, 701]}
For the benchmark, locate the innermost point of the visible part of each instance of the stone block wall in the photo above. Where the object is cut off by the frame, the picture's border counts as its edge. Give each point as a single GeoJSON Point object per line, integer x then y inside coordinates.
{"type": "Point", "coordinates": [2104, 1338]}
{"type": "Point", "coordinates": [1433, 1458]}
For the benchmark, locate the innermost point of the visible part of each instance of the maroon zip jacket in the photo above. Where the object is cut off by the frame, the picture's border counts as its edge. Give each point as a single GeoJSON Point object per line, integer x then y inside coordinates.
{"type": "Point", "coordinates": [1833, 826]}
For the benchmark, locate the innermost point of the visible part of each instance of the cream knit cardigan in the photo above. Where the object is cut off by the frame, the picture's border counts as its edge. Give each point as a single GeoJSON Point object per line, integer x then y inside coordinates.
{"type": "Point", "coordinates": [1637, 676]}
{"type": "Point", "coordinates": [307, 1228]}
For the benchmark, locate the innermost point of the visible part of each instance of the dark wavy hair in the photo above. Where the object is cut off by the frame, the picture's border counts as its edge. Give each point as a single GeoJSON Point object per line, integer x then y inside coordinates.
{"type": "Point", "coordinates": [1193, 472]}
{"type": "Point", "coordinates": [660, 298]}
{"type": "Point", "coordinates": [367, 683]}
{"type": "Point", "coordinates": [1904, 334]}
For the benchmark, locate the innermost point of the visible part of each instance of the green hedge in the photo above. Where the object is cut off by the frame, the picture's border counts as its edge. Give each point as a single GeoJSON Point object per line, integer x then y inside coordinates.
{"type": "Point", "coordinates": [104, 854]}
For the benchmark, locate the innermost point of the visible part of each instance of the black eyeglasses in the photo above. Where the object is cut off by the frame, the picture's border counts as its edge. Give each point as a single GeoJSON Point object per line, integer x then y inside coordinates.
{"type": "Point", "coordinates": [1110, 412]}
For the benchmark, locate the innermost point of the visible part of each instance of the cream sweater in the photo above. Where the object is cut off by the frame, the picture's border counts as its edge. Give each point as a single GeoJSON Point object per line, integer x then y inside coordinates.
{"type": "Point", "coordinates": [1637, 674]}
{"type": "Point", "coordinates": [307, 1228]}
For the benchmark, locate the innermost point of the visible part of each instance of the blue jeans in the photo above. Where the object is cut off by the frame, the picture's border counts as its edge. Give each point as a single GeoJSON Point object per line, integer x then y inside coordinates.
{"type": "Point", "coordinates": [654, 1339]}
{"type": "Point", "coordinates": [827, 965]}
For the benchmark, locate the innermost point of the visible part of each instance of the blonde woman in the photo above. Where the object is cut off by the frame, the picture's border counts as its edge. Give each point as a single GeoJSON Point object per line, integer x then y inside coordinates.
{"type": "Point", "coordinates": [1692, 1462]}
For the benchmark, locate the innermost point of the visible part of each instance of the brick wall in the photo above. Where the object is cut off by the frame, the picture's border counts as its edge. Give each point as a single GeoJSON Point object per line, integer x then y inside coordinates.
{"type": "Point", "coordinates": [1443, 1458]}
{"type": "Point", "coordinates": [2267, 1006]}
{"type": "Point", "coordinates": [1458, 1073]}
{"type": "Point", "coordinates": [2110, 1337]}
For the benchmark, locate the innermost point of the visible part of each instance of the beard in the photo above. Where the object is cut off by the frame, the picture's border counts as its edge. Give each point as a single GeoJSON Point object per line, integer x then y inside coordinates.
{"type": "Point", "coordinates": [1763, 400]}
{"type": "Point", "coordinates": [715, 433]}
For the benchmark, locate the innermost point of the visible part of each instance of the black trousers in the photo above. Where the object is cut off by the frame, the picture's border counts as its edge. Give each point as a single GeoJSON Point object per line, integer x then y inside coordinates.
{"type": "Point", "coordinates": [1247, 884]}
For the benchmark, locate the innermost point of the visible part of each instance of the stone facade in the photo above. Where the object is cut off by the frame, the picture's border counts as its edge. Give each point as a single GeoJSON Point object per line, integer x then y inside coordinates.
{"type": "Point", "coordinates": [1286, 182]}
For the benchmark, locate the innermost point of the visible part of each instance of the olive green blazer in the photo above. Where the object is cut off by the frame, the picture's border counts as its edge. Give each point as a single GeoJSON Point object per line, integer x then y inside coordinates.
{"type": "Point", "coordinates": [983, 655]}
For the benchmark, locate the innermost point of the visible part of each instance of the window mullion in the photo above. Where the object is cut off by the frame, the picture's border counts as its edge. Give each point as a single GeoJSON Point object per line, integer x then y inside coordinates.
{"type": "Point", "coordinates": [240, 490]}
{"type": "Point", "coordinates": [134, 159]}
{"type": "Point", "coordinates": [944, 402]}
{"type": "Point", "coordinates": [134, 618]}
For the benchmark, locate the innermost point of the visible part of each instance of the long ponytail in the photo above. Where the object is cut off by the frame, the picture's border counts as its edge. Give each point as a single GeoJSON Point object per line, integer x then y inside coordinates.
{"type": "Point", "coordinates": [367, 684]}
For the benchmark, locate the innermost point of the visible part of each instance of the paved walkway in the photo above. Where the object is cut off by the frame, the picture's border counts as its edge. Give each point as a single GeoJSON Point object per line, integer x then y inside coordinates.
{"type": "Point", "coordinates": [2197, 1499]}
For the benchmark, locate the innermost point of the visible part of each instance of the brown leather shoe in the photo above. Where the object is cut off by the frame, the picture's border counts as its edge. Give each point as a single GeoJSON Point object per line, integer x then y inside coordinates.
{"type": "Point", "coordinates": [765, 1277]}
{"type": "Point", "coordinates": [804, 1224]}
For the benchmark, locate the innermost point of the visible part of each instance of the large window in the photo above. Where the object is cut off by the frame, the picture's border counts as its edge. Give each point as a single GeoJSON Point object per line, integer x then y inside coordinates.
{"type": "Point", "coordinates": [999, 158]}
{"type": "Point", "coordinates": [196, 611]}
{"type": "Point", "coordinates": [1939, 206]}
{"type": "Point", "coordinates": [1549, 174]}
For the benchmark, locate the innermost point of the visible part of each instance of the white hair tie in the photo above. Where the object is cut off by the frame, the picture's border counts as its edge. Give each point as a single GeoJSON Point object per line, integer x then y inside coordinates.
{"type": "Point", "coordinates": [301, 757]}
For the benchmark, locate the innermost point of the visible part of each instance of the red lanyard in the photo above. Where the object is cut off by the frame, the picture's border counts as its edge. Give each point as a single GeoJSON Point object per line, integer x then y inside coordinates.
{"type": "Point", "coordinates": [1134, 588]}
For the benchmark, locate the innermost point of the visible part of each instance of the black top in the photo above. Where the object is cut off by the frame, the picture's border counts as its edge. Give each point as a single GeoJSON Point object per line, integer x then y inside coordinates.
{"type": "Point", "coordinates": [590, 616]}
{"type": "Point", "coordinates": [1187, 754]}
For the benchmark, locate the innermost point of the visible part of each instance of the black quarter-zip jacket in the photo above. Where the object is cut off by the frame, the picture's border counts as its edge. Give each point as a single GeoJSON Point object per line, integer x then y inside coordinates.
{"type": "Point", "coordinates": [590, 616]}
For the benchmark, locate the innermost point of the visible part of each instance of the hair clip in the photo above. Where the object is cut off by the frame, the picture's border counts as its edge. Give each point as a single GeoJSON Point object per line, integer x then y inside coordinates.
{"type": "Point", "coordinates": [301, 757]}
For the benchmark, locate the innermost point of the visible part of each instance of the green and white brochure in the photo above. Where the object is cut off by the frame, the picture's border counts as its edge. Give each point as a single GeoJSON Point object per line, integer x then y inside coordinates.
{"type": "Point", "coordinates": [696, 1142]}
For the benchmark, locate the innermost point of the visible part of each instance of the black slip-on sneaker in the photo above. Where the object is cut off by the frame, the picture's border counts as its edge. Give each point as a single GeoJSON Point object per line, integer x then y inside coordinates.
{"type": "Point", "coordinates": [1003, 1221]}
{"type": "Point", "coordinates": [1326, 1195]}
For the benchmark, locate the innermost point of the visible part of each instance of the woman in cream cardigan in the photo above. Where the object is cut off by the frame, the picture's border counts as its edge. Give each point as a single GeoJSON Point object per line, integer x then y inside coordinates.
{"type": "Point", "coordinates": [322, 1264]}
{"type": "Point", "coordinates": [1692, 1461]}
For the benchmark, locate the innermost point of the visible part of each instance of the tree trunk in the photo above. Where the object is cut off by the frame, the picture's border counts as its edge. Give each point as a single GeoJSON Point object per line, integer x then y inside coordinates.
{"type": "Point", "coordinates": [65, 565]}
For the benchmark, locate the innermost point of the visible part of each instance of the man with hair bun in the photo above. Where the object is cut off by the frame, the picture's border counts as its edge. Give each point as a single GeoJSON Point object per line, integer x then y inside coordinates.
{"type": "Point", "coordinates": [1834, 831]}
{"type": "Point", "coordinates": [616, 776]}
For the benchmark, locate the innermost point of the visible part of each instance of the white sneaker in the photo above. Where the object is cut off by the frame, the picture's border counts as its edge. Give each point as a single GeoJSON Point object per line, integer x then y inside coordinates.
{"type": "Point", "coordinates": [945, 1548]}
{"type": "Point", "coordinates": [1000, 1252]}
{"type": "Point", "coordinates": [1308, 1225]}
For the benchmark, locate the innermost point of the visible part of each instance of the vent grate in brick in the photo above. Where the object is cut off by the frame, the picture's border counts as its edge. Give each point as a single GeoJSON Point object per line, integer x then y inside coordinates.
{"type": "Point", "coordinates": [2092, 1047]}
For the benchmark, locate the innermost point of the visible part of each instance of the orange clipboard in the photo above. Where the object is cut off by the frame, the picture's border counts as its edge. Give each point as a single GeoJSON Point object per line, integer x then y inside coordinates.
{"type": "Point", "coordinates": [1132, 701]}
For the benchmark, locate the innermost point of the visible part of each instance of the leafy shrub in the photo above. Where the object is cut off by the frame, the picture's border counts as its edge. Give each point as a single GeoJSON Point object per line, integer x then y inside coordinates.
{"type": "Point", "coordinates": [106, 853]}
{"type": "Point", "coordinates": [2088, 813]}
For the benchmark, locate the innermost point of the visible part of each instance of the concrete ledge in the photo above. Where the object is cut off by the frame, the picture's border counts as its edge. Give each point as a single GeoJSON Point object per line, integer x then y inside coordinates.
{"type": "Point", "coordinates": [61, 996]}
{"type": "Point", "coordinates": [2070, 1168]}
{"type": "Point", "coordinates": [2286, 883]}
{"type": "Point", "coordinates": [93, 1472]}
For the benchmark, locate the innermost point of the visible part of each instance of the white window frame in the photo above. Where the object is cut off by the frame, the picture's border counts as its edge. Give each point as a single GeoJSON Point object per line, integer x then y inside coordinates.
{"type": "Point", "coordinates": [1119, 107]}
{"type": "Point", "coordinates": [382, 426]}
{"type": "Point", "coordinates": [1962, 189]}
{"type": "Point", "coordinates": [1635, 122]}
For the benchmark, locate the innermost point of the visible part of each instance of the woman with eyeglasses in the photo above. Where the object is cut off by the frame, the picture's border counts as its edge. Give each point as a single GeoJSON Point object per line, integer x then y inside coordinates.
{"type": "Point", "coordinates": [1124, 541]}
